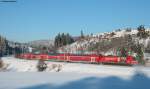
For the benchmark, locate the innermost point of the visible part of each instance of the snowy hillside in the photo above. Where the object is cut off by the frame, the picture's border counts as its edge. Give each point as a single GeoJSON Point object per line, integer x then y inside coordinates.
{"type": "Point", "coordinates": [112, 39]}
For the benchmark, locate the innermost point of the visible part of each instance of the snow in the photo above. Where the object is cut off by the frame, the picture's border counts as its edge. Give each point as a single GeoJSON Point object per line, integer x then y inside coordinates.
{"type": "Point", "coordinates": [145, 42]}
{"type": "Point", "coordinates": [34, 78]}
{"type": "Point", "coordinates": [124, 32]}
{"type": "Point", "coordinates": [16, 65]}
{"type": "Point", "coordinates": [21, 65]}
{"type": "Point", "coordinates": [22, 74]}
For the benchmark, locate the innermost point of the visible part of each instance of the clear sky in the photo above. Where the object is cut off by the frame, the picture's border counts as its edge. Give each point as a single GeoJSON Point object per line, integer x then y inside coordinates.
{"type": "Point", "coordinates": [28, 20]}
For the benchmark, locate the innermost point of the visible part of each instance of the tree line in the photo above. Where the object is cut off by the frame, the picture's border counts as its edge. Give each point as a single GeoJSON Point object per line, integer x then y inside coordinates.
{"type": "Point", "coordinates": [3, 45]}
{"type": "Point", "coordinates": [7, 49]}
{"type": "Point", "coordinates": [63, 39]}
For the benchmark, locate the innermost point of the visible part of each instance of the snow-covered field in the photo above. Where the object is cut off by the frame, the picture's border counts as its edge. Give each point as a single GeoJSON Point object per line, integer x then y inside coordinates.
{"type": "Point", "coordinates": [22, 74]}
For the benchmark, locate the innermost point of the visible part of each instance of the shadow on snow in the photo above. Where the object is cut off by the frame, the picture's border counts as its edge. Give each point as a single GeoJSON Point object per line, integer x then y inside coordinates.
{"type": "Point", "coordinates": [138, 81]}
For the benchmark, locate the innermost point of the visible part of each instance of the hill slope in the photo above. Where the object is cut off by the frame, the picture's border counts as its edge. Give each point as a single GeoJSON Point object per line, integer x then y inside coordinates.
{"type": "Point", "coordinates": [106, 43]}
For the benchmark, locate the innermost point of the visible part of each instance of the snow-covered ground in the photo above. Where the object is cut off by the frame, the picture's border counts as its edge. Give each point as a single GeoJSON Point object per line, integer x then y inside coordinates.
{"type": "Point", "coordinates": [22, 74]}
{"type": "Point", "coordinates": [19, 65]}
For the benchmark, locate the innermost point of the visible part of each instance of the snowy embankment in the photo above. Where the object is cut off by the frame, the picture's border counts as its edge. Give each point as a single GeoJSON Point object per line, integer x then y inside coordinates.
{"type": "Point", "coordinates": [22, 74]}
{"type": "Point", "coordinates": [20, 65]}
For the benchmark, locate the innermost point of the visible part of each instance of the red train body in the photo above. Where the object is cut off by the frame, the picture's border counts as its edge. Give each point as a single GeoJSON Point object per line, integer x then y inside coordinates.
{"type": "Point", "coordinates": [129, 60]}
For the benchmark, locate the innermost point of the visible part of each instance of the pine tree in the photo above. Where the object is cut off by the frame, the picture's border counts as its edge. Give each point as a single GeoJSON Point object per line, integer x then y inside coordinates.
{"type": "Point", "coordinates": [123, 52]}
{"type": "Point", "coordinates": [82, 34]}
{"type": "Point", "coordinates": [138, 49]}
{"type": "Point", "coordinates": [67, 38]}
{"type": "Point", "coordinates": [2, 46]}
{"type": "Point", "coordinates": [141, 32]}
{"type": "Point", "coordinates": [63, 37]}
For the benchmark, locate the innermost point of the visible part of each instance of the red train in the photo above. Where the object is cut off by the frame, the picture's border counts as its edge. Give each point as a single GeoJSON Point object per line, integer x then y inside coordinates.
{"type": "Point", "coordinates": [129, 60]}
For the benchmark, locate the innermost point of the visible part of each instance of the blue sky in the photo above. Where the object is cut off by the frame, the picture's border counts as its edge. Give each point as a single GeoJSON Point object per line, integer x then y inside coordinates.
{"type": "Point", "coordinates": [29, 20]}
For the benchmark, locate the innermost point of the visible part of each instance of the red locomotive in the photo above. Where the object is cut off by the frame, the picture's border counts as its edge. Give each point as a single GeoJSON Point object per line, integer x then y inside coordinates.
{"type": "Point", "coordinates": [129, 60]}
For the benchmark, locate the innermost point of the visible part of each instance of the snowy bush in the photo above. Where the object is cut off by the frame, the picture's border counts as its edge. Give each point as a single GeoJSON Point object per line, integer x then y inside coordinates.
{"type": "Point", "coordinates": [55, 67]}
{"type": "Point", "coordinates": [59, 68]}
{"type": "Point", "coordinates": [1, 63]}
{"type": "Point", "coordinates": [41, 66]}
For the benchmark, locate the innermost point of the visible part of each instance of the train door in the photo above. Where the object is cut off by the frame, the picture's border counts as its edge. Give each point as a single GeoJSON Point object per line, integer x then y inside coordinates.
{"type": "Point", "coordinates": [93, 59]}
